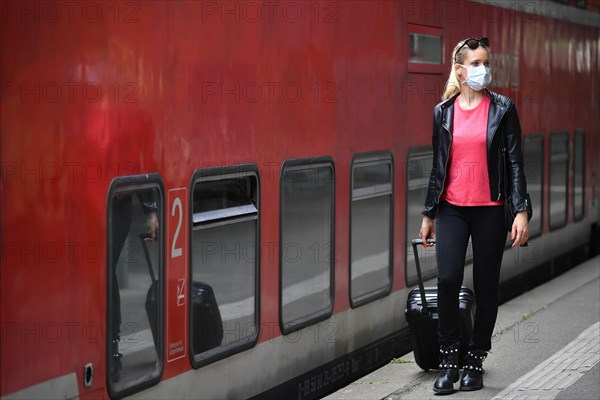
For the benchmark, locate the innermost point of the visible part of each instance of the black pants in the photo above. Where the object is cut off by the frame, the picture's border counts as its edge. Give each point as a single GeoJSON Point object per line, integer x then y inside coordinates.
{"type": "Point", "coordinates": [121, 223]}
{"type": "Point", "coordinates": [454, 226]}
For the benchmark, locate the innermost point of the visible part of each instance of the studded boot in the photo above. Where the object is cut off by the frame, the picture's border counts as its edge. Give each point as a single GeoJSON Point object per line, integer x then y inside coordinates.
{"type": "Point", "coordinates": [444, 383]}
{"type": "Point", "coordinates": [472, 378]}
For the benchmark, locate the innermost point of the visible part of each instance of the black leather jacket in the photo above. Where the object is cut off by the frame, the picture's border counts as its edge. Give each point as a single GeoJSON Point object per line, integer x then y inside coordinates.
{"type": "Point", "coordinates": [503, 121]}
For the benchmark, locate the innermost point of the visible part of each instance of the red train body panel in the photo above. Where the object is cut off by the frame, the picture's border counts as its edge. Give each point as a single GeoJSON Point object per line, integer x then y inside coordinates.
{"type": "Point", "coordinates": [93, 90]}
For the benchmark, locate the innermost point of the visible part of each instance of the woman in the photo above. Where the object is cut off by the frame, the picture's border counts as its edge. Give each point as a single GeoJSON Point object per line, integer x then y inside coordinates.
{"type": "Point", "coordinates": [465, 198]}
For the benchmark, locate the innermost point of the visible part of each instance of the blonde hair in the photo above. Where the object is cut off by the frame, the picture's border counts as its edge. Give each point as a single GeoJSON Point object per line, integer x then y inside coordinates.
{"type": "Point", "coordinates": [453, 83]}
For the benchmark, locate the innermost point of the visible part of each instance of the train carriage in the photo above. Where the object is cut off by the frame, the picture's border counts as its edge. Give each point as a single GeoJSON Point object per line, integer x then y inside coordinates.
{"type": "Point", "coordinates": [215, 199]}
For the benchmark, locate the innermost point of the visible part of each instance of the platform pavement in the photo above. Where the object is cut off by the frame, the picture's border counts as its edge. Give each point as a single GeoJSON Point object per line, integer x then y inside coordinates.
{"type": "Point", "coordinates": [546, 346]}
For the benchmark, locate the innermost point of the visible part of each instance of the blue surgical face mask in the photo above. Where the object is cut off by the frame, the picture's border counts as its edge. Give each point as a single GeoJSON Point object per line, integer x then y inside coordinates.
{"type": "Point", "coordinates": [478, 77]}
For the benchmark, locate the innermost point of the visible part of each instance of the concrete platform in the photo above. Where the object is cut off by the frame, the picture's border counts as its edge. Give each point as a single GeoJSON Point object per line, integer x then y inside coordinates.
{"type": "Point", "coordinates": [546, 346]}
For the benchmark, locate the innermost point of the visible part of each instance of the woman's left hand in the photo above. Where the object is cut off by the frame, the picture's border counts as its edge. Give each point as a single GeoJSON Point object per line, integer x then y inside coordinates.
{"type": "Point", "coordinates": [520, 229]}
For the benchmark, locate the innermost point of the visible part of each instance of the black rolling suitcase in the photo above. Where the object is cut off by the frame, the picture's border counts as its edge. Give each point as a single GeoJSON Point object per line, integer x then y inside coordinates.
{"type": "Point", "coordinates": [422, 317]}
{"type": "Point", "coordinates": [208, 326]}
{"type": "Point", "coordinates": [152, 295]}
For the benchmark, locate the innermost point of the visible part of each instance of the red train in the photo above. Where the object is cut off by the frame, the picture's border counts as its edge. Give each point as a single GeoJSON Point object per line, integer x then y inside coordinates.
{"type": "Point", "coordinates": [278, 151]}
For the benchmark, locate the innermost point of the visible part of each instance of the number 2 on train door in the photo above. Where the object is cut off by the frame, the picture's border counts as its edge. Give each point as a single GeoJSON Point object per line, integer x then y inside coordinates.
{"type": "Point", "coordinates": [177, 255]}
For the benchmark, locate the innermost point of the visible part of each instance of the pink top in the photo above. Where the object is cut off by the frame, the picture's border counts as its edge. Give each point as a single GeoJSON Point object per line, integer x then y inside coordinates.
{"type": "Point", "coordinates": [467, 181]}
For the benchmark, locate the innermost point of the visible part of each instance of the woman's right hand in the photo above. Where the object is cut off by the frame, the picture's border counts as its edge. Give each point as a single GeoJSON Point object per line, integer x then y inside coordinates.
{"type": "Point", "coordinates": [427, 231]}
{"type": "Point", "coordinates": [152, 221]}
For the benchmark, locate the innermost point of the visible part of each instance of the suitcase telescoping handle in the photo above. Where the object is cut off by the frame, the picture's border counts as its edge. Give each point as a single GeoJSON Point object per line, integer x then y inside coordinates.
{"type": "Point", "coordinates": [147, 237]}
{"type": "Point", "coordinates": [415, 243]}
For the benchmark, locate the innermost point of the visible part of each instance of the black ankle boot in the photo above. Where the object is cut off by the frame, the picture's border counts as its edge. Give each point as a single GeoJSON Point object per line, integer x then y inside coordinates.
{"type": "Point", "coordinates": [472, 378]}
{"type": "Point", "coordinates": [444, 383]}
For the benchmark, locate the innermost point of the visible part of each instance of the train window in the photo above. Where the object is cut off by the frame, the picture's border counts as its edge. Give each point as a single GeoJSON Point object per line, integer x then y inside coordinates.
{"type": "Point", "coordinates": [533, 156]}
{"type": "Point", "coordinates": [224, 262]}
{"type": "Point", "coordinates": [559, 170]}
{"type": "Point", "coordinates": [371, 227]}
{"type": "Point", "coordinates": [306, 248]}
{"type": "Point", "coordinates": [134, 284]}
{"type": "Point", "coordinates": [425, 48]}
{"type": "Point", "coordinates": [579, 174]}
{"type": "Point", "coordinates": [418, 169]}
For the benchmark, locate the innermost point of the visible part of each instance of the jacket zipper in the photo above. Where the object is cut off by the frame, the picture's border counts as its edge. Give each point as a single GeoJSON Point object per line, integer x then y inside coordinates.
{"type": "Point", "coordinates": [504, 109]}
{"type": "Point", "coordinates": [499, 174]}
{"type": "Point", "coordinates": [445, 173]}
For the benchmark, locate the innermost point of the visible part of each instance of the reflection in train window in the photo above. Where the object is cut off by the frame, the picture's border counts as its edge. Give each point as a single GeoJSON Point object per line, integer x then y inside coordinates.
{"type": "Point", "coordinates": [559, 169]}
{"type": "Point", "coordinates": [224, 265]}
{"type": "Point", "coordinates": [418, 169]}
{"type": "Point", "coordinates": [371, 227]}
{"type": "Point", "coordinates": [533, 158]}
{"type": "Point", "coordinates": [578, 174]}
{"type": "Point", "coordinates": [306, 246]}
{"type": "Point", "coordinates": [134, 284]}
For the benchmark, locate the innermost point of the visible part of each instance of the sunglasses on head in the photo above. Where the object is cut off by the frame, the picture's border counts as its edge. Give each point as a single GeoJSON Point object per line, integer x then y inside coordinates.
{"type": "Point", "coordinates": [473, 43]}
